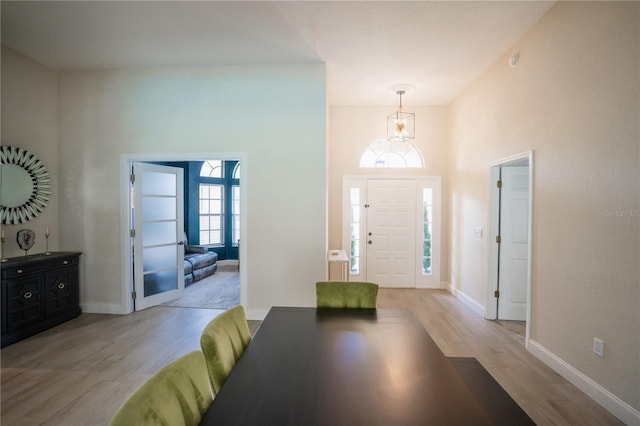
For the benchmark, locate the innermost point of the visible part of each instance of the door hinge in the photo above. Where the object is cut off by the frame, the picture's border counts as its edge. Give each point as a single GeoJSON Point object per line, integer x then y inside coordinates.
{"type": "Point", "coordinates": [132, 233]}
{"type": "Point", "coordinates": [499, 184]}
{"type": "Point", "coordinates": [133, 294]}
{"type": "Point", "coordinates": [132, 178]}
{"type": "Point", "coordinates": [496, 294]}
{"type": "Point", "coordinates": [498, 239]}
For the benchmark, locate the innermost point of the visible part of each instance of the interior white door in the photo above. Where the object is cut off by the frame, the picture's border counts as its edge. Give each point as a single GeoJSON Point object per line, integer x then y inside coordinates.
{"type": "Point", "coordinates": [158, 218]}
{"type": "Point", "coordinates": [391, 232]}
{"type": "Point", "coordinates": [514, 234]}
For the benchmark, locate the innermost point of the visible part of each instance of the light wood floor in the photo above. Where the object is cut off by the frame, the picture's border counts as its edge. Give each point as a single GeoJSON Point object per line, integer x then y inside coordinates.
{"type": "Point", "coordinates": [458, 331]}
{"type": "Point", "coordinates": [80, 372]}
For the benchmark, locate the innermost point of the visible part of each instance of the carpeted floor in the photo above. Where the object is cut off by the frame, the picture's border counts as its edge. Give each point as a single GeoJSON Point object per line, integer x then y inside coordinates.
{"type": "Point", "coordinates": [218, 291]}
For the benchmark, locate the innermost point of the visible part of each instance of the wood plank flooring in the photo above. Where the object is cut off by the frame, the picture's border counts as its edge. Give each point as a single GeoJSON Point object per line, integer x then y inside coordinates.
{"type": "Point", "coordinates": [80, 372]}
{"type": "Point", "coordinates": [543, 394]}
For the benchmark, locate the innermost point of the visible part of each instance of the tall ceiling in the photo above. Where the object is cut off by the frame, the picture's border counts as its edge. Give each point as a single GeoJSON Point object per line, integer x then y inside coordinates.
{"type": "Point", "coordinates": [438, 47]}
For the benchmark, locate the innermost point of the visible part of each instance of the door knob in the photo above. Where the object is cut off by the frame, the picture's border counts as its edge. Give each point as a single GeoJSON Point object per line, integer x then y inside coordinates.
{"type": "Point", "coordinates": [369, 241]}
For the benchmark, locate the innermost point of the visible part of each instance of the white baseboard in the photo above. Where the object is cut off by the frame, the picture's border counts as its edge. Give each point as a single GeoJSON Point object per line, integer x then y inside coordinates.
{"type": "Point", "coordinates": [606, 399]}
{"type": "Point", "coordinates": [439, 286]}
{"type": "Point", "coordinates": [226, 262]}
{"type": "Point", "coordinates": [257, 314]}
{"type": "Point", "coordinates": [475, 306]}
{"type": "Point", "coordinates": [102, 308]}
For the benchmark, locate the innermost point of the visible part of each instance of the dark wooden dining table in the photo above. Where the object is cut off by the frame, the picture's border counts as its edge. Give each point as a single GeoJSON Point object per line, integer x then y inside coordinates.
{"type": "Point", "coordinates": [308, 366]}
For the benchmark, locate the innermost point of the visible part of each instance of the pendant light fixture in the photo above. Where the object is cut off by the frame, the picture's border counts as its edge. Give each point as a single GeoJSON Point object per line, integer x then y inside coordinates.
{"type": "Point", "coordinates": [401, 125]}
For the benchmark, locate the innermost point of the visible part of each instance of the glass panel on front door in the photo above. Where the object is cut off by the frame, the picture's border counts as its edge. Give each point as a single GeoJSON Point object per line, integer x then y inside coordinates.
{"type": "Point", "coordinates": [354, 231]}
{"type": "Point", "coordinates": [427, 227]}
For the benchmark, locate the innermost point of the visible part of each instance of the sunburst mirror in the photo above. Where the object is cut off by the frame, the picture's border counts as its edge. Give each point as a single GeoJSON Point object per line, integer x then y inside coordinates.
{"type": "Point", "coordinates": [25, 185]}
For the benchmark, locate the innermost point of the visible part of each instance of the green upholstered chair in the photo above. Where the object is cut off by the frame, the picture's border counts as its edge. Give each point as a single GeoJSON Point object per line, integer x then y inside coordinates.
{"type": "Point", "coordinates": [350, 294]}
{"type": "Point", "coordinates": [176, 395]}
{"type": "Point", "coordinates": [223, 342]}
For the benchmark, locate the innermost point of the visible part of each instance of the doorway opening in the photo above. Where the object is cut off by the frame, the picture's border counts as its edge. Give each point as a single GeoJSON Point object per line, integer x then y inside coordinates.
{"type": "Point", "coordinates": [230, 274]}
{"type": "Point", "coordinates": [510, 241]}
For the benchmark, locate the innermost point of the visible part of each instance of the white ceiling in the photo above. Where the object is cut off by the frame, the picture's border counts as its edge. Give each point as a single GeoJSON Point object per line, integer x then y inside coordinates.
{"type": "Point", "coordinates": [439, 47]}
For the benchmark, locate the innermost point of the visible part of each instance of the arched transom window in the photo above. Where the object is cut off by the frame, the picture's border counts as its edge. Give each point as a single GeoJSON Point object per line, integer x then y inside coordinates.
{"type": "Point", "coordinates": [392, 154]}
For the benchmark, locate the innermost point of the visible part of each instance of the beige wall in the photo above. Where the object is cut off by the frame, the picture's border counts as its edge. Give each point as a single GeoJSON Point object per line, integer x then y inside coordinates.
{"type": "Point", "coordinates": [574, 99]}
{"type": "Point", "coordinates": [104, 115]}
{"type": "Point", "coordinates": [99, 116]}
{"type": "Point", "coordinates": [352, 129]}
{"type": "Point", "coordinates": [30, 121]}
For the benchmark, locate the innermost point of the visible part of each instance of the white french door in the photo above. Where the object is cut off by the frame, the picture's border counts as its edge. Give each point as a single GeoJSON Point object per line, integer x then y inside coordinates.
{"type": "Point", "coordinates": [158, 218]}
{"type": "Point", "coordinates": [391, 230]}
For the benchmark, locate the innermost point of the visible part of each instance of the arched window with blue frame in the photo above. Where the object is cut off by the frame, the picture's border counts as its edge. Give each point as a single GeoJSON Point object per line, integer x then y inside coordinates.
{"type": "Point", "coordinates": [218, 209]}
{"type": "Point", "coordinates": [211, 203]}
{"type": "Point", "coordinates": [235, 205]}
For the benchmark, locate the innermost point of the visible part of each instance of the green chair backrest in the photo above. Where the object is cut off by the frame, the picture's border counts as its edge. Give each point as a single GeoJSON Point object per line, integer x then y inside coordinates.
{"type": "Point", "coordinates": [223, 341]}
{"type": "Point", "coordinates": [176, 395]}
{"type": "Point", "coordinates": [350, 294]}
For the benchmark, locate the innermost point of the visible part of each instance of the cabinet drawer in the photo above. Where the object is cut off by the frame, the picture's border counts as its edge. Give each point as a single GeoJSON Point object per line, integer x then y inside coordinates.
{"type": "Point", "coordinates": [37, 267]}
{"type": "Point", "coordinates": [26, 302]}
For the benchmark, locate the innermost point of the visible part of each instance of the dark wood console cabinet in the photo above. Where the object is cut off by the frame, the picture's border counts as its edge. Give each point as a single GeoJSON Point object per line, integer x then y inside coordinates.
{"type": "Point", "coordinates": [38, 292]}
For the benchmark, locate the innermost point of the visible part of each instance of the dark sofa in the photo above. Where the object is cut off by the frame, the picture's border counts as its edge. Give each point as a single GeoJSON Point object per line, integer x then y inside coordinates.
{"type": "Point", "coordinates": [199, 263]}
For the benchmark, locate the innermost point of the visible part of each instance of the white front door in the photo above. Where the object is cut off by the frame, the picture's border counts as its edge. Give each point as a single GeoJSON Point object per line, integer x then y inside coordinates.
{"type": "Point", "coordinates": [391, 232]}
{"type": "Point", "coordinates": [158, 218]}
{"type": "Point", "coordinates": [514, 234]}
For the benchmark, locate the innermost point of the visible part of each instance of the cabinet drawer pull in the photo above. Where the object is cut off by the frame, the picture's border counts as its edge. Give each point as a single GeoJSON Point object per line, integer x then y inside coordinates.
{"type": "Point", "coordinates": [28, 295]}
{"type": "Point", "coordinates": [66, 262]}
{"type": "Point", "coordinates": [19, 271]}
{"type": "Point", "coordinates": [61, 286]}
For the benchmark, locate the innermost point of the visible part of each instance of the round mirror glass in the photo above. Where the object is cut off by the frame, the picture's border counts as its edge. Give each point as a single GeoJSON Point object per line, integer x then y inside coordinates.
{"type": "Point", "coordinates": [25, 185]}
{"type": "Point", "coordinates": [17, 185]}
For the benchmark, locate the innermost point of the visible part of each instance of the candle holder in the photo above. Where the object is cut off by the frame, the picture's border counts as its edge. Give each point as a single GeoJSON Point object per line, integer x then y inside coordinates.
{"type": "Point", "coordinates": [46, 237]}
{"type": "Point", "coordinates": [4, 259]}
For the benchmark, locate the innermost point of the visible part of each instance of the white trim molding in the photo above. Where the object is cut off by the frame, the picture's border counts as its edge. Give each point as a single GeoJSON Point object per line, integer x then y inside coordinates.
{"type": "Point", "coordinates": [102, 308]}
{"type": "Point", "coordinates": [606, 399]}
{"type": "Point", "coordinates": [470, 302]}
{"type": "Point", "coordinates": [257, 314]}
